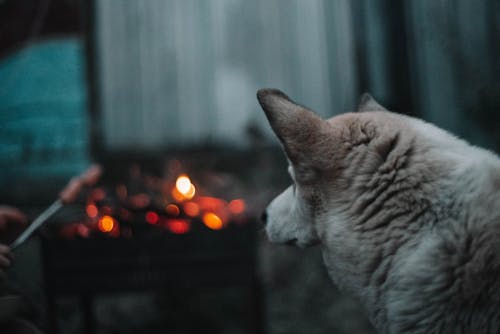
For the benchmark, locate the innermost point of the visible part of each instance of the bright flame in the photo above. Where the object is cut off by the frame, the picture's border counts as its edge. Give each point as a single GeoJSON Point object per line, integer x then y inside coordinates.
{"type": "Point", "coordinates": [173, 210]}
{"type": "Point", "coordinates": [92, 211]}
{"type": "Point", "coordinates": [152, 217]}
{"type": "Point", "coordinates": [212, 221]}
{"type": "Point", "coordinates": [106, 224]}
{"type": "Point", "coordinates": [184, 189]}
{"type": "Point", "coordinates": [237, 206]}
{"type": "Point", "coordinates": [191, 209]}
{"type": "Point", "coordinates": [178, 226]}
{"type": "Point", "coordinates": [183, 184]}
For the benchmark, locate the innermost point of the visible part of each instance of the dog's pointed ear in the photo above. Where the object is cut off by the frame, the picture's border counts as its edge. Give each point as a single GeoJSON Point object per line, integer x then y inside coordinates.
{"type": "Point", "coordinates": [298, 128]}
{"type": "Point", "coordinates": [368, 103]}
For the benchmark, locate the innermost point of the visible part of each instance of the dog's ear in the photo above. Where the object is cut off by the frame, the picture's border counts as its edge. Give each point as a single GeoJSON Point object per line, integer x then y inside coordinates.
{"type": "Point", "coordinates": [368, 103]}
{"type": "Point", "coordinates": [299, 129]}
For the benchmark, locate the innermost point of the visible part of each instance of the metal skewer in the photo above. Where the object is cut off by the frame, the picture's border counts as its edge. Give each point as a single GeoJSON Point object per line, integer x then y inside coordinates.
{"type": "Point", "coordinates": [67, 195]}
{"type": "Point", "coordinates": [42, 218]}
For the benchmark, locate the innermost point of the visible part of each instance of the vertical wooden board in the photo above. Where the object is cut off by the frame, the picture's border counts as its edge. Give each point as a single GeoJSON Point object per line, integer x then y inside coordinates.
{"type": "Point", "coordinates": [435, 62]}
{"type": "Point", "coordinates": [181, 72]}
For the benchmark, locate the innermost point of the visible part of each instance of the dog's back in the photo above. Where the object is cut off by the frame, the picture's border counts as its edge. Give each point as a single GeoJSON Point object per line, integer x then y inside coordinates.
{"type": "Point", "coordinates": [448, 278]}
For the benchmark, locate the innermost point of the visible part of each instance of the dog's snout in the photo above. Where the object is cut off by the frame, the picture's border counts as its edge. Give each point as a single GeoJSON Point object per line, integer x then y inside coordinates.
{"type": "Point", "coordinates": [263, 217]}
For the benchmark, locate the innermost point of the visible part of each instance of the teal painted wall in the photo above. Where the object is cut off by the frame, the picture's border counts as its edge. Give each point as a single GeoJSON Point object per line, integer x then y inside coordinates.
{"type": "Point", "coordinates": [43, 118]}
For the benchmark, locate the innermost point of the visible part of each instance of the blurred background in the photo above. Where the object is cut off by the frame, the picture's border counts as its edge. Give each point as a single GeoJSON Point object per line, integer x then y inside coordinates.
{"type": "Point", "coordinates": [159, 88]}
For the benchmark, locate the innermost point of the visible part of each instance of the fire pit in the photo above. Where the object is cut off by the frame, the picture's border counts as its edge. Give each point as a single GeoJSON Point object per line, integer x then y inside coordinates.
{"type": "Point", "coordinates": [146, 232]}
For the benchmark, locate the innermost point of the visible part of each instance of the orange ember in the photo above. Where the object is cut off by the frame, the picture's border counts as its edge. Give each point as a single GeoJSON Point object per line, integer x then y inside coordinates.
{"type": "Point", "coordinates": [83, 230]}
{"type": "Point", "coordinates": [140, 201]}
{"type": "Point", "coordinates": [92, 211]}
{"type": "Point", "coordinates": [152, 217]}
{"type": "Point", "coordinates": [237, 206]}
{"type": "Point", "coordinates": [191, 209]}
{"type": "Point", "coordinates": [212, 221]}
{"type": "Point", "coordinates": [178, 226]}
{"type": "Point", "coordinates": [121, 191]}
{"type": "Point", "coordinates": [172, 210]}
{"type": "Point", "coordinates": [211, 203]}
{"type": "Point", "coordinates": [107, 210]}
{"type": "Point", "coordinates": [184, 189]}
{"type": "Point", "coordinates": [182, 209]}
{"type": "Point", "coordinates": [98, 194]}
{"type": "Point", "coordinates": [106, 224]}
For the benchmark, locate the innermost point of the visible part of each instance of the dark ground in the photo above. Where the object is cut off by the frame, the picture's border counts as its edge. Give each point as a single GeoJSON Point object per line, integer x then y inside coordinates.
{"type": "Point", "coordinates": [298, 297]}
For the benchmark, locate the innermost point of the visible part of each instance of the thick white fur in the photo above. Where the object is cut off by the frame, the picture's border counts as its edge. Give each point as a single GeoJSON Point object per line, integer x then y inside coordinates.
{"type": "Point", "coordinates": [406, 214]}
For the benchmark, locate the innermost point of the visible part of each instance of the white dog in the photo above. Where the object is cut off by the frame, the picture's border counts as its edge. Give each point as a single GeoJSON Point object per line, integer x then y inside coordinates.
{"type": "Point", "coordinates": [406, 214]}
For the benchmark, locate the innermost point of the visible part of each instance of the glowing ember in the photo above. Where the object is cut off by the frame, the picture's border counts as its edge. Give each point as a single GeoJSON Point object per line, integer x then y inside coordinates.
{"type": "Point", "coordinates": [212, 221]}
{"type": "Point", "coordinates": [107, 210]}
{"type": "Point", "coordinates": [172, 210]}
{"type": "Point", "coordinates": [98, 194]}
{"type": "Point", "coordinates": [140, 201]}
{"type": "Point", "coordinates": [183, 184]}
{"type": "Point", "coordinates": [178, 226]}
{"type": "Point", "coordinates": [92, 211]}
{"type": "Point", "coordinates": [183, 207]}
{"type": "Point", "coordinates": [191, 209]}
{"type": "Point", "coordinates": [106, 224]}
{"type": "Point", "coordinates": [184, 189]}
{"type": "Point", "coordinates": [237, 206]}
{"type": "Point", "coordinates": [211, 203]}
{"type": "Point", "coordinates": [83, 230]}
{"type": "Point", "coordinates": [121, 192]}
{"type": "Point", "coordinates": [152, 217]}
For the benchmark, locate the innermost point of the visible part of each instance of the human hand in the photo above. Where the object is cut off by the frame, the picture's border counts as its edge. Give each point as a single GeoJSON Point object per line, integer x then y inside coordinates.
{"type": "Point", "coordinates": [5, 258]}
{"type": "Point", "coordinates": [10, 215]}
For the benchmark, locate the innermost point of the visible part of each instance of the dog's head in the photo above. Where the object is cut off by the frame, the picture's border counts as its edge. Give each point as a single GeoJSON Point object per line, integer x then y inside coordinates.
{"type": "Point", "coordinates": [328, 160]}
{"type": "Point", "coordinates": [341, 197]}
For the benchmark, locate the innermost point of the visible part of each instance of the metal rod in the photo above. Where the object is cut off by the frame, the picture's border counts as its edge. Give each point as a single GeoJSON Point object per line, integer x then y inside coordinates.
{"type": "Point", "coordinates": [39, 221]}
{"type": "Point", "coordinates": [68, 195]}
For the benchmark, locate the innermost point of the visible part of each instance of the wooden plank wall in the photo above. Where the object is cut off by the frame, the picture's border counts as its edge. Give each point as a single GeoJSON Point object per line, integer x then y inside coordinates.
{"type": "Point", "coordinates": [184, 72]}
{"type": "Point", "coordinates": [455, 48]}
{"type": "Point", "coordinates": [435, 59]}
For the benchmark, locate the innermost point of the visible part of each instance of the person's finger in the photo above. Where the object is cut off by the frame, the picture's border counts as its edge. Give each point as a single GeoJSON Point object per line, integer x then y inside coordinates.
{"type": "Point", "coordinates": [6, 253]}
{"type": "Point", "coordinates": [4, 249]}
{"type": "Point", "coordinates": [10, 214]}
{"type": "Point", "coordinates": [4, 261]}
